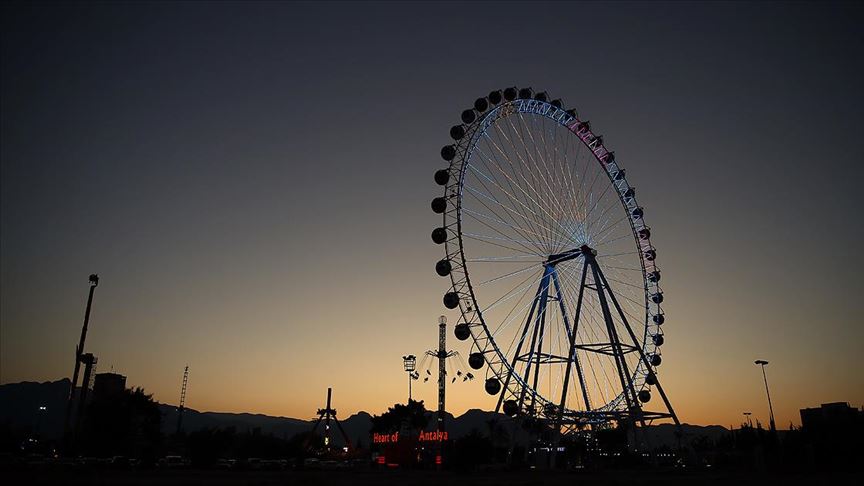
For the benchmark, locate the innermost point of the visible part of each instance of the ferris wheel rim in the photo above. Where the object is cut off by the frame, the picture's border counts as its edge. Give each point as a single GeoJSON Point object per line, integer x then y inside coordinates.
{"type": "Point", "coordinates": [459, 276]}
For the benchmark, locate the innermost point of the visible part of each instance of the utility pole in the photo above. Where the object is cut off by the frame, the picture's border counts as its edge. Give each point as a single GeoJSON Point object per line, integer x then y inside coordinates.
{"type": "Point", "coordinates": [762, 363]}
{"type": "Point", "coordinates": [182, 399]}
{"type": "Point", "coordinates": [79, 354]}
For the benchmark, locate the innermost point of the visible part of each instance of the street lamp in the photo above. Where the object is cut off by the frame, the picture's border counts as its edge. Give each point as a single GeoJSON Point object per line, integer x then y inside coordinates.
{"type": "Point", "coordinates": [42, 409]}
{"type": "Point", "coordinates": [762, 363]}
{"type": "Point", "coordinates": [747, 418]}
{"type": "Point", "coordinates": [409, 362]}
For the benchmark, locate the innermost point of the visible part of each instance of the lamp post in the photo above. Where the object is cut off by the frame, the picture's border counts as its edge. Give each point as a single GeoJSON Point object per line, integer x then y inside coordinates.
{"type": "Point", "coordinates": [747, 418]}
{"type": "Point", "coordinates": [39, 414]}
{"type": "Point", "coordinates": [762, 363]}
{"type": "Point", "coordinates": [409, 362]}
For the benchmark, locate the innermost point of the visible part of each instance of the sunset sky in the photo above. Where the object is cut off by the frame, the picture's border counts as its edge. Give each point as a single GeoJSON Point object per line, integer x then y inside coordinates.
{"type": "Point", "coordinates": [251, 182]}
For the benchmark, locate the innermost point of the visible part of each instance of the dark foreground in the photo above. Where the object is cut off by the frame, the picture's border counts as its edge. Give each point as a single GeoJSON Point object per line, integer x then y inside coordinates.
{"type": "Point", "coordinates": [416, 478]}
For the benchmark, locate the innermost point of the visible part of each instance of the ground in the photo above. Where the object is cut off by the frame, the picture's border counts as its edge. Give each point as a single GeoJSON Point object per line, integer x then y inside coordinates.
{"type": "Point", "coordinates": [413, 478]}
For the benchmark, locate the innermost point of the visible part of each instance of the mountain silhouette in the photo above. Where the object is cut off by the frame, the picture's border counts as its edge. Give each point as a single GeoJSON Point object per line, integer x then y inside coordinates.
{"type": "Point", "coordinates": [20, 402]}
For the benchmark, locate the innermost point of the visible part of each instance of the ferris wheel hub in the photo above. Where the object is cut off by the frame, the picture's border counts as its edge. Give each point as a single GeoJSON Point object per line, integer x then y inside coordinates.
{"type": "Point", "coordinates": [557, 258]}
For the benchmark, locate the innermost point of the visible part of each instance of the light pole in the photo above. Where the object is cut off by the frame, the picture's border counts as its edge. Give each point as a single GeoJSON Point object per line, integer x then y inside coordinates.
{"type": "Point", "coordinates": [762, 363]}
{"type": "Point", "coordinates": [409, 362]}
{"type": "Point", "coordinates": [39, 414]}
{"type": "Point", "coordinates": [747, 418]}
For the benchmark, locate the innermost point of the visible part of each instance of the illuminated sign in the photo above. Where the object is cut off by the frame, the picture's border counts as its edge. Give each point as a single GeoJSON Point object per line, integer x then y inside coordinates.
{"type": "Point", "coordinates": [385, 438]}
{"type": "Point", "coordinates": [435, 436]}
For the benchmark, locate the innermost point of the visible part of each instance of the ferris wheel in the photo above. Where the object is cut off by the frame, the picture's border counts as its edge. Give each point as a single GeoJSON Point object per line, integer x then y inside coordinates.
{"type": "Point", "coordinates": [550, 263]}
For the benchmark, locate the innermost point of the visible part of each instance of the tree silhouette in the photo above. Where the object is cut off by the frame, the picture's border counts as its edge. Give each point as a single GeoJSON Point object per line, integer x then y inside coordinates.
{"type": "Point", "coordinates": [126, 423]}
{"type": "Point", "coordinates": [412, 416]}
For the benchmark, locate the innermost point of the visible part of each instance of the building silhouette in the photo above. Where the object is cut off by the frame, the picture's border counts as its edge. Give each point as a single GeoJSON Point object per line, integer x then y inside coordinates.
{"type": "Point", "coordinates": [108, 384]}
{"type": "Point", "coordinates": [830, 416]}
{"type": "Point", "coordinates": [834, 431]}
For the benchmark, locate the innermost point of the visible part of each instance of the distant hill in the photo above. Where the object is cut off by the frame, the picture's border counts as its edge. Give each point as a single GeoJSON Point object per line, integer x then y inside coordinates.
{"type": "Point", "coordinates": [20, 402]}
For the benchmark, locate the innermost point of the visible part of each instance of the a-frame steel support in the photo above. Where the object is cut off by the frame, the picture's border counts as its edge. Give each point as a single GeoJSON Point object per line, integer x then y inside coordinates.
{"type": "Point", "coordinates": [617, 348]}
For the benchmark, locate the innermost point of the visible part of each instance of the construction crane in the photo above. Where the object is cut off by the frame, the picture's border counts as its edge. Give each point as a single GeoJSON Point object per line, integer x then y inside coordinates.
{"type": "Point", "coordinates": [80, 357]}
{"type": "Point", "coordinates": [182, 399]}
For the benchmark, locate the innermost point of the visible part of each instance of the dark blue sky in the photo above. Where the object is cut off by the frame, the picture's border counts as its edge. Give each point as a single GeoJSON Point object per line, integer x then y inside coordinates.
{"type": "Point", "coordinates": [251, 180]}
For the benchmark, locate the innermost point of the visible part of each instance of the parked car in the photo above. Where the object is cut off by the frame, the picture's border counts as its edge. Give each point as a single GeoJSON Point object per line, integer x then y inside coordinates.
{"type": "Point", "coordinates": [170, 462]}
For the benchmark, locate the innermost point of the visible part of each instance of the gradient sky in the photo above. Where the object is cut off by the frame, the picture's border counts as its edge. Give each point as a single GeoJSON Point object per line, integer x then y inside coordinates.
{"type": "Point", "coordinates": [252, 184]}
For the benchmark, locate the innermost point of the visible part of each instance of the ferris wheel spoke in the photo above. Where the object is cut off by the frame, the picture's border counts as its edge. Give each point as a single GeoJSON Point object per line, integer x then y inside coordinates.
{"type": "Point", "coordinates": [507, 296]}
{"type": "Point", "coordinates": [580, 193]}
{"type": "Point", "coordinates": [600, 218]}
{"type": "Point", "coordinates": [568, 186]}
{"type": "Point", "coordinates": [622, 269]}
{"type": "Point", "coordinates": [547, 218]}
{"type": "Point", "coordinates": [533, 183]}
{"type": "Point", "coordinates": [504, 259]}
{"type": "Point", "coordinates": [510, 274]}
{"type": "Point", "coordinates": [510, 317]}
{"type": "Point", "coordinates": [630, 299]}
{"type": "Point", "coordinates": [483, 218]}
{"type": "Point", "coordinates": [525, 231]}
{"type": "Point", "coordinates": [491, 162]}
{"type": "Point", "coordinates": [612, 255]}
{"type": "Point", "coordinates": [634, 305]}
{"type": "Point", "coordinates": [509, 209]}
{"type": "Point", "coordinates": [603, 214]}
{"type": "Point", "coordinates": [605, 231]}
{"type": "Point", "coordinates": [632, 269]}
{"type": "Point", "coordinates": [552, 177]}
{"type": "Point", "coordinates": [520, 167]}
{"type": "Point", "coordinates": [490, 143]}
{"type": "Point", "coordinates": [610, 227]}
{"type": "Point", "coordinates": [565, 182]}
{"type": "Point", "coordinates": [572, 191]}
{"type": "Point", "coordinates": [491, 243]}
{"type": "Point", "coordinates": [544, 173]}
{"type": "Point", "coordinates": [525, 164]}
{"type": "Point", "coordinates": [588, 193]}
{"type": "Point", "coordinates": [480, 237]}
{"type": "Point", "coordinates": [486, 196]}
{"type": "Point", "coordinates": [523, 234]}
{"type": "Point", "coordinates": [613, 240]}
{"type": "Point", "coordinates": [519, 170]}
